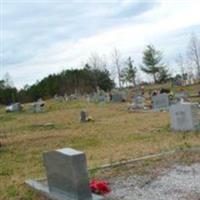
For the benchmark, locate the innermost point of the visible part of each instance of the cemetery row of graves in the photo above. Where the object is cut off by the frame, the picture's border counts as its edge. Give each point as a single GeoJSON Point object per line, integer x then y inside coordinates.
{"type": "Point", "coordinates": [81, 132]}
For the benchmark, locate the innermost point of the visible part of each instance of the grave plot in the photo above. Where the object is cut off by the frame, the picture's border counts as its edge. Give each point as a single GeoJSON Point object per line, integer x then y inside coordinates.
{"type": "Point", "coordinates": [115, 135]}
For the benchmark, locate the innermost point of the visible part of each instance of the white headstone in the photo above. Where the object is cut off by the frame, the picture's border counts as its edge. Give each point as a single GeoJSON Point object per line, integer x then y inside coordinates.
{"type": "Point", "coordinates": [37, 107]}
{"type": "Point", "coordinates": [15, 107]}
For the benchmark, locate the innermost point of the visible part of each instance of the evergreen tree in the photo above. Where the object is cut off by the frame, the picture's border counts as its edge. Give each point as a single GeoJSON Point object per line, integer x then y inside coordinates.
{"type": "Point", "coordinates": [128, 74]}
{"type": "Point", "coordinates": [163, 75]}
{"type": "Point", "coordinates": [152, 61]}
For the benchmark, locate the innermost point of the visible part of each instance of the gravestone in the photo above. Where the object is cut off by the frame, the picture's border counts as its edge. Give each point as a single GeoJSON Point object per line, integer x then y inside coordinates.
{"type": "Point", "coordinates": [59, 98]}
{"type": "Point", "coordinates": [117, 97]}
{"type": "Point", "coordinates": [96, 98]}
{"type": "Point", "coordinates": [37, 107]}
{"type": "Point", "coordinates": [15, 107]}
{"type": "Point", "coordinates": [67, 176]}
{"type": "Point", "coordinates": [181, 96]}
{"type": "Point", "coordinates": [184, 117]}
{"type": "Point", "coordinates": [102, 98]}
{"type": "Point", "coordinates": [139, 102]}
{"type": "Point", "coordinates": [160, 101]}
{"type": "Point", "coordinates": [83, 116]}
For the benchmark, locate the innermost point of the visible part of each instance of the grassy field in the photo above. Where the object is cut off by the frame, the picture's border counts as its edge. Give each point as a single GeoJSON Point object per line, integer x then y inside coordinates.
{"type": "Point", "coordinates": [114, 135]}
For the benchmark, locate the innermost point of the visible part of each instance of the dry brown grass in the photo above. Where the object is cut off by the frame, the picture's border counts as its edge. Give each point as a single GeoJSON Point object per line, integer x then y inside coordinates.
{"type": "Point", "coordinates": [115, 135]}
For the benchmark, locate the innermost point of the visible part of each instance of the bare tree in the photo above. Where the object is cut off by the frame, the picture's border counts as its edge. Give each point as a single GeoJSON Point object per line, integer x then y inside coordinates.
{"type": "Point", "coordinates": [194, 53]}
{"type": "Point", "coordinates": [97, 62]}
{"type": "Point", "coordinates": [116, 58]}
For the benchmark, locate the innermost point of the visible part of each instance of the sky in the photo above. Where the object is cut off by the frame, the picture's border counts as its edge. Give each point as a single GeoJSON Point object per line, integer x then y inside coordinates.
{"type": "Point", "coordinates": [41, 37]}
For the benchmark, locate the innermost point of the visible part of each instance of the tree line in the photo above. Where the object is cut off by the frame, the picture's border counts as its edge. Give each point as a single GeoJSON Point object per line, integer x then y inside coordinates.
{"type": "Point", "coordinates": [81, 81]}
{"type": "Point", "coordinates": [95, 74]}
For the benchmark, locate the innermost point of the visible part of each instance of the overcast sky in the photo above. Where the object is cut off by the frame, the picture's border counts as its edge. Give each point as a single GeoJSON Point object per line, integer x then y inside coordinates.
{"type": "Point", "coordinates": [39, 37]}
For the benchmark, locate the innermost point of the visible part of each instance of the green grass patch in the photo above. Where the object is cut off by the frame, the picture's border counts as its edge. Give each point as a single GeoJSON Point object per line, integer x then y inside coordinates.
{"type": "Point", "coordinates": [7, 117]}
{"type": "Point", "coordinates": [84, 143]}
{"type": "Point", "coordinates": [44, 127]}
{"type": "Point", "coordinates": [12, 191]}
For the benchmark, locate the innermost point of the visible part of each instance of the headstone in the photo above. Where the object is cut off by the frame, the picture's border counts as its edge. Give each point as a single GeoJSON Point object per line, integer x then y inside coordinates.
{"type": "Point", "coordinates": [184, 117]}
{"type": "Point", "coordinates": [73, 97]}
{"type": "Point", "coordinates": [117, 97]}
{"type": "Point", "coordinates": [139, 102]}
{"type": "Point", "coordinates": [83, 116]}
{"type": "Point", "coordinates": [181, 96]}
{"type": "Point", "coordinates": [37, 107]}
{"type": "Point", "coordinates": [15, 107]}
{"type": "Point", "coordinates": [67, 176]}
{"type": "Point", "coordinates": [160, 101]}
{"type": "Point", "coordinates": [66, 98]}
{"type": "Point", "coordinates": [59, 98]}
{"type": "Point", "coordinates": [102, 98]}
{"type": "Point", "coordinates": [96, 98]}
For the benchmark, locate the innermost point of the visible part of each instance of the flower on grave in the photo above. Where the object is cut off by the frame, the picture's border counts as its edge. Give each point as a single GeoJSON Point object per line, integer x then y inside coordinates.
{"type": "Point", "coordinates": [99, 187]}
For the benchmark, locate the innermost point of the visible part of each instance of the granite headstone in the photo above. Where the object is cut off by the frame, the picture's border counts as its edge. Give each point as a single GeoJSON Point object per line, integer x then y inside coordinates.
{"type": "Point", "coordinates": [184, 117]}
{"type": "Point", "coordinates": [160, 101]}
{"type": "Point", "coordinates": [67, 176]}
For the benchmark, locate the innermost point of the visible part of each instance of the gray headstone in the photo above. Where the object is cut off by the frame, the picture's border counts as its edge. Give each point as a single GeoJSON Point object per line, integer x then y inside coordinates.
{"type": "Point", "coordinates": [117, 97]}
{"type": "Point", "coordinates": [184, 117]}
{"type": "Point", "coordinates": [67, 172]}
{"type": "Point", "coordinates": [96, 98]}
{"type": "Point", "coordinates": [160, 101]}
{"type": "Point", "coordinates": [102, 98]}
{"type": "Point", "coordinates": [67, 176]}
{"type": "Point", "coordinates": [139, 102]}
{"type": "Point", "coordinates": [83, 116]}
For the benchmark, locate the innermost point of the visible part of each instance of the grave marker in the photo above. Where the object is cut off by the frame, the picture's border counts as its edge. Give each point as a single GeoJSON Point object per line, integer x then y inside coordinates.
{"type": "Point", "coordinates": [15, 107]}
{"type": "Point", "coordinates": [184, 117]}
{"type": "Point", "coordinates": [37, 107]}
{"type": "Point", "coordinates": [67, 176]}
{"type": "Point", "coordinates": [160, 101]}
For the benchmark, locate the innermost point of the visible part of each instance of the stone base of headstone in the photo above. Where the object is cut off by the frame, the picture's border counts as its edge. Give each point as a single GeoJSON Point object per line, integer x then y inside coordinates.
{"type": "Point", "coordinates": [135, 108]}
{"type": "Point", "coordinates": [161, 109]}
{"type": "Point", "coordinates": [42, 187]}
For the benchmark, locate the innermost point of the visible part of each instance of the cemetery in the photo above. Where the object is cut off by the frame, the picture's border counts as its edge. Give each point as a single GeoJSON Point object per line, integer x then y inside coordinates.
{"type": "Point", "coordinates": [100, 100]}
{"type": "Point", "coordinates": [136, 154]}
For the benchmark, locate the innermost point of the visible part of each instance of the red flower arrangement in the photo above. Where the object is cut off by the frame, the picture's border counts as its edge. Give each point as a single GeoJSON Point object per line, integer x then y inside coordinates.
{"type": "Point", "coordinates": [99, 187]}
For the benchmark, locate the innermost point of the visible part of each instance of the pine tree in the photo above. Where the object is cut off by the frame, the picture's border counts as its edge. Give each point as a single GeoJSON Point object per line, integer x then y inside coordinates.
{"type": "Point", "coordinates": [152, 61]}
